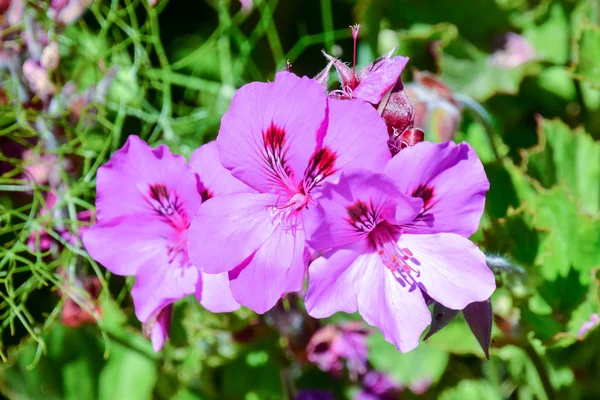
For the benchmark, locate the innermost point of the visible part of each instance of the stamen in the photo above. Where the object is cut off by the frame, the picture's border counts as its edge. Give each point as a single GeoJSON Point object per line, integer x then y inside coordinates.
{"type": "Point", "coordinates": [290, 213]}
{"type": "Point", "coordinates": [393, 257]}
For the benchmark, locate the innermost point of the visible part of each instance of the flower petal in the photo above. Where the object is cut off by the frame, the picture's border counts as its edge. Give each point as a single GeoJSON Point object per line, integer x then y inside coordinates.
{"type": "Point", "coordinates": [215, 179]}
{"type": "Point", "coordinates": [159, 283]}
{"type": "Point", "coordinates": [356, 137]}
{"type": "Point", "coordinates": [124, 244]}
{"type": "Point", "coordinates": [380, 78]}
{"type": "Point", "coordinates": [347, 211]}
{"type": "Point", "coordinates": [228, 229]}
{"type": "Point", "coordinates": [261, 281]}
{"type": "Point", "coordinates": [333, 279]}
{"type": "Point", "coordinates": [160, 329]}
{"type": "Point", "coordinates": [452, 269]}
{"type": "Point", "coordinates": [451, 181]}
{"type": "Point", "coordinates": [269, 133]}
{"type": "Point", "coordinates": [399, 312]}
{"type": "Point", "coordinates": [122, 184]}
{"type": "Point", "coordinates": [214, 294]}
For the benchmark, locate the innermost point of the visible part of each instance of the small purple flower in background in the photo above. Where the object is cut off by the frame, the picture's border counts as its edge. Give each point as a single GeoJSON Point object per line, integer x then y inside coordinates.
{"type": "Point", "coordinates": [334, 346]}
{"type": "Point", "coordinates": [247, 5]}
{"type": "Point", "coordinates": [67, 11]}
{"type": "Point", "coordinates": [145, 200]}
{"type": "Point", "coordinates": [437, 112]}
{"type": "Point", "coordinates": [511, 51]}
{"type": "Point", "coordinates": [284, 140]}
{"type": "Point", "coordinates": [590, 324]}
{"type": "Point", "coordinates": [314, 394]}
{"type": "Point", "coordinates": [379, 386]}
{"type": "Point", "coordinates": [40, 239]}
{"type": "Point", "coordinates": [399, 235]}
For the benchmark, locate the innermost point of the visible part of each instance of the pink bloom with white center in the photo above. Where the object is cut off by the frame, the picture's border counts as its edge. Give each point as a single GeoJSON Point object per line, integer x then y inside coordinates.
{"type": "Point", "coordinates": [283, 139]}
{"type": "Point", "coordinates": [399, 234]}
{"type": "Point", "coordinates": [145, 200]}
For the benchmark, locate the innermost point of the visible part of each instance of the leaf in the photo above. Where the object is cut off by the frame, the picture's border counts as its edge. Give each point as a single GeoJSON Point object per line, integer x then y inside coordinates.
{"type": "Point", "coordinates": [127, 375]}
{"type": "Point", "coordinates": [588, 55]}
{"type": "Point", "coordinates": [572, 240]}
{"type": "Point", "coordinates": [472, 390]}
{"type": "Point", "coordinates": [551, 38]}
{"type": "Point", "coordinates": [569, 157]}
{"type": "Point", "coordinates": [423, 363]}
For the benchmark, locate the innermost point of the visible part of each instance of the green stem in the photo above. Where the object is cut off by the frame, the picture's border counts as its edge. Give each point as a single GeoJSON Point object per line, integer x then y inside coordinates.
{"type": "Point", "coordinates": [541, 370]}
{"type": "Point", "coordinates": [482, 116]}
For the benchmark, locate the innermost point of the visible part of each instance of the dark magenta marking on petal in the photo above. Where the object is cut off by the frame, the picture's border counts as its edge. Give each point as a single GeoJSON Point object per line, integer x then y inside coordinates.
{"type": "Point", "coordinates": [205, 194]}
{"type": "Point", "coordinates": [320, 166]}
{"type": "Point", "coordinates": [424, 192]}
{"type": "Point", "coordinates": [274, 141]}
{"type": "Point", "coordinates": [361, 216]}
{"type": "Point", "coordinates": [168, 206]}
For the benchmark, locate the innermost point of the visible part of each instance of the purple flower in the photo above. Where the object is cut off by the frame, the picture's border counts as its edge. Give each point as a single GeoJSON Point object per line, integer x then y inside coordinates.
{"type": "Point", "coordinates": [512, 50]}
{"type": "Point", "coordinates": [590, 324]}
{"type": "Point", "coordinates": [378, 83]}
{"type": "Point", "coordinates": [379, 386]}
{"type": "Point", "coordinates": [397, 235]}
{"type": "Point", "coordinates": [283, 139]}
{"type": "Point", "coordinates": [306, 394]}
{"type": "Point", "coordinates": [145, 198]}
{"type": "Point", "coordinates": [332, 346]}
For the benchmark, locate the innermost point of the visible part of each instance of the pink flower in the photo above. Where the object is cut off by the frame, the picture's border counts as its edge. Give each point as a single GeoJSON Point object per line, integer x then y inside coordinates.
{"type": "Point", "coordinates": [590, 324]}
{"type": "Point", "coordinates": [379, 386]}
{"type": "Point", "coordinates": [145, 199]}
{"type": "Point", "coordinates": [512, 50]}
{"type": "Point", "coordinates": [378, 83]}
{"type": "Point", "coordinates": [397, 235]}
{"type": "Point", "coordinates": [335, 345]}
{"type": "Point", "coordinates": [372, 82]}
{"type": "Point", "coordinates": [284, 140]}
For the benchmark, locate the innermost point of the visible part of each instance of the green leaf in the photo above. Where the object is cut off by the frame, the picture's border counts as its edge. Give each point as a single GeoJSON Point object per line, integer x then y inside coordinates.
{"type": "Point", "coordinates": [569, 157]}
{"type": "Point", "coordinates": [128, 374]}
{"type": "Point", "coordinates": [472, 390]}
{"type": "Point", "coordinates": [426, 362]}
{"type": "Point", "coordinates": [573, 239]}
{"type": "Point", "coordinates": [588, 55]}
{"type": "Point", "coordinates": [551, 38]}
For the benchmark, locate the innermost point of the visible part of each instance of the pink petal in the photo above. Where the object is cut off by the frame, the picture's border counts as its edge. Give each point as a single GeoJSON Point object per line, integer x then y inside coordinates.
{"type": "Point", "coordinates": [123, 182]}
{"type": "Point", "coordinates": [399, 312]}
{"type": "Point", "coordinates": [452, 269]}
{"type": "Point", "coordinates": [124, 244]}
{"type": "Point", "coordinates": [215, 179]}
{"type": "Point", "coordinates": [330, 224]}
{"type": "Point", "coordinates": [262, 281]}
{"type": "Point", "coordinates": [159, 283]}
{"type": "Point", "coordinates": [333, 281]}
{"type": "Point", "coordinates": [159, 327]}
{"type": "Point", "coordinates": [380, 79]}
{"type": "Point", "coordinates": [269, 133]}
{"type": "Point", "coordinates": [214, 294]}
{"type": "Point", "coordinates": [450, 179]}
{"type": "Point", "coordinates": [228, 229]}
{"type": "Point", "coordinates": [357, 136]}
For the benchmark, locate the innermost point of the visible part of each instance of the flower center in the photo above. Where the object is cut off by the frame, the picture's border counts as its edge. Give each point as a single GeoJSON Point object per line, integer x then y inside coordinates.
{"type": "Point", "coordinates": [166, 204]}
{"type": "Point", "coordinates": [394, 257]}
{"type": "Point", "coordinates": [290, 213]}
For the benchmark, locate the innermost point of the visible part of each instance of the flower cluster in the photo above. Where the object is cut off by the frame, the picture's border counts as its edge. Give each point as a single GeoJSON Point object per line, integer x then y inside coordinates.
{"type": "Point", "coordinates": [338, 187]}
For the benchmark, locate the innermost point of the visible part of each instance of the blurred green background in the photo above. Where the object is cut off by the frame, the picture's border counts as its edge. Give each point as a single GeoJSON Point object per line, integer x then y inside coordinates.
{"type": "Point", "coordinates": [528, 102]}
